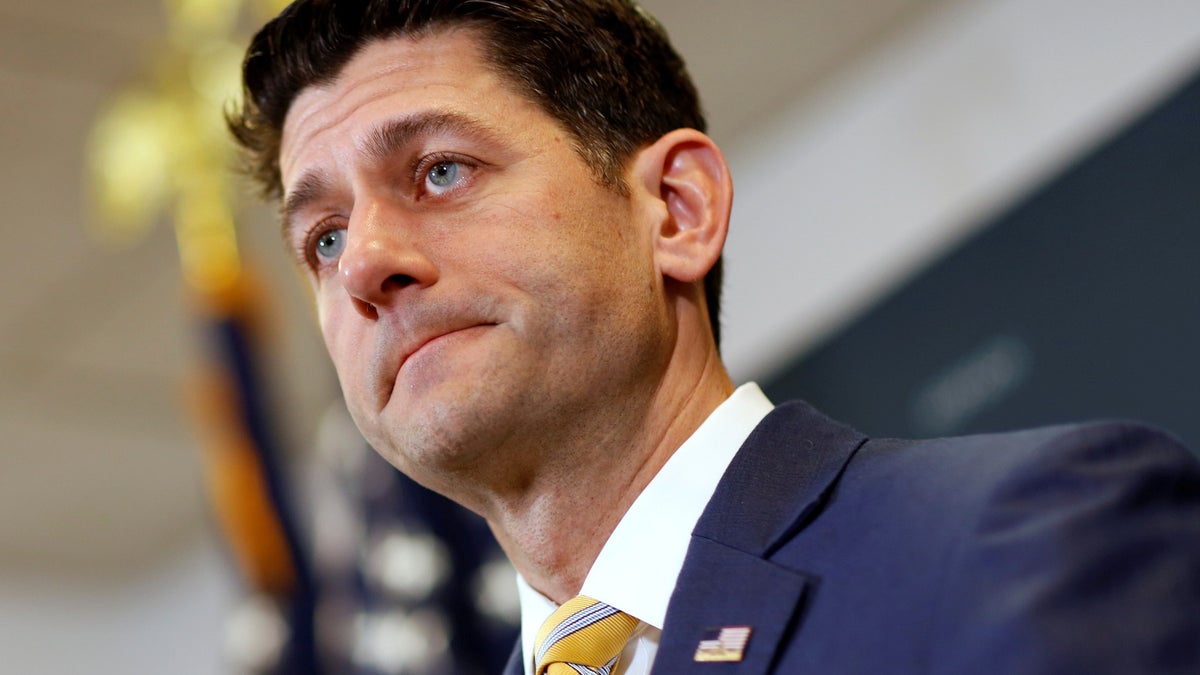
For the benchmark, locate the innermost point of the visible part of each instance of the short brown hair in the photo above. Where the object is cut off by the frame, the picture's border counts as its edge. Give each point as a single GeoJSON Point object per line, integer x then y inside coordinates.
{"type": "Point", "coordinates": [603, 69]}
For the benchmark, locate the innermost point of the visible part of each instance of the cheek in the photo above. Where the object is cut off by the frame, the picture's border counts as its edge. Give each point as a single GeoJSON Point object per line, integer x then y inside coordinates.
{"type": "Point", "coordinates": [346, 351]}
{"type": "Point", "coordinates": [334, 327]}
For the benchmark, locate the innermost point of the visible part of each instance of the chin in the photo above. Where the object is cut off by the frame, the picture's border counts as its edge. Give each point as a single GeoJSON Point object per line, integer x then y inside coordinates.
{"type": "Point", "coordinates": [448, 430]}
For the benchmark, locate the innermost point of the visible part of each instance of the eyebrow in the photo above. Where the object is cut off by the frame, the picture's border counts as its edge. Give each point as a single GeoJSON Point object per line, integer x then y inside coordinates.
{"type": "Point", "coordinates": [312, 187]}
{"type": "Point", "coordinates": [392, 136]}
{"type": "Point", "coordinates": [379, 146]}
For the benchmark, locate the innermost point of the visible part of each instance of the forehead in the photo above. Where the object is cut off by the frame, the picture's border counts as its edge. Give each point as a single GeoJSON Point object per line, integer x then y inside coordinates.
{"type": "Point", "coordinates": [387, 79]}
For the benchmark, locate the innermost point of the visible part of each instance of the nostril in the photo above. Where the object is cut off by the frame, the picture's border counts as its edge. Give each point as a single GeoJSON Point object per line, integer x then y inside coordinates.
{"type": "Point", "coordinates": [365, 308]}
{"type": "Point", "coordinates": [398, 281]}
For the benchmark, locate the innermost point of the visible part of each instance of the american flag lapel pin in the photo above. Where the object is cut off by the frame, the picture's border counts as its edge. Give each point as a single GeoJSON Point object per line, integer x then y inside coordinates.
{"type": "Point", "coordinates": [723, 645]}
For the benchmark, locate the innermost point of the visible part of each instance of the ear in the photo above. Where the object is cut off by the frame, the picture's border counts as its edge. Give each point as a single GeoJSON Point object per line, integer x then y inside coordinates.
{"type": "Point", "coordinates": [685, 176]}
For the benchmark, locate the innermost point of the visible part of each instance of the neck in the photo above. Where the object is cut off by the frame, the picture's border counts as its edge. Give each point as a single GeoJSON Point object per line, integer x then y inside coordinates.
{"type": "Point", "coordinates": [554, 530]}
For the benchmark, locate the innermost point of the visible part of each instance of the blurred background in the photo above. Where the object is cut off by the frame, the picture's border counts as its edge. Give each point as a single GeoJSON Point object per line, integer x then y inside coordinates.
{"type": "Point", "coordinates": [951, 215]}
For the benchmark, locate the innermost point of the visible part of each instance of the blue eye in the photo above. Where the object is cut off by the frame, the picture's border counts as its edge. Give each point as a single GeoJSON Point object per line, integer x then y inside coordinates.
{"type": "Point", "coordinates": [443, 174]}
{"type": "Point", "coordinates": [330, 243]}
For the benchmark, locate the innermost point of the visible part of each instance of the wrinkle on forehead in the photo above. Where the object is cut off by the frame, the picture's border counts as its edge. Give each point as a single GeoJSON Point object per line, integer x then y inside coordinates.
{"type": "Point", "coordinates": [442, 51]}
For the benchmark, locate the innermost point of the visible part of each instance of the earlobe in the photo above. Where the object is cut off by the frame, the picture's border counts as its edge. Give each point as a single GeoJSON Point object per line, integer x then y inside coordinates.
{"type": "Point", "coordinates": [687, 172]}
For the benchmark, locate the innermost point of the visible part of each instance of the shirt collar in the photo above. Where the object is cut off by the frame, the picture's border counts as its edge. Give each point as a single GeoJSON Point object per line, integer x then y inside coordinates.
{"type": "Point", "coordinates": [637, 569]}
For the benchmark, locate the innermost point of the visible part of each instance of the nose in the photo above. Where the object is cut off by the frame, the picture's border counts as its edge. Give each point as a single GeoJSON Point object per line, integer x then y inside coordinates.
{"type": "Point", "coordinates": [382, 263]}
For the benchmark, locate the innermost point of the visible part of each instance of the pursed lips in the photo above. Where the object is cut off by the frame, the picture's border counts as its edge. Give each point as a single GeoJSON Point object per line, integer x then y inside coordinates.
{"type": "Point", "coordinates": [388, 364]}
{"type": "Point", "coordinates": [423, 342]}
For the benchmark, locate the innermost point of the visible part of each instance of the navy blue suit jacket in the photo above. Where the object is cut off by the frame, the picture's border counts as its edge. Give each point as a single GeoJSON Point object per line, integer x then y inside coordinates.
{"type": "Point", "coordinates": [1072, 549]}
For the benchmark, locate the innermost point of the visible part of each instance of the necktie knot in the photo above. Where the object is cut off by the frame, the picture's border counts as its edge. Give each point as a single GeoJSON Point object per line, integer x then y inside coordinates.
{"type": "Point", "coordinates": [582, 637]}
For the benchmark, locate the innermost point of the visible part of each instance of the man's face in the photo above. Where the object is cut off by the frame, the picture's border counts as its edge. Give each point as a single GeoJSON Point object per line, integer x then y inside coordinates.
{"type": "Point", "coordinates": [481, 294]}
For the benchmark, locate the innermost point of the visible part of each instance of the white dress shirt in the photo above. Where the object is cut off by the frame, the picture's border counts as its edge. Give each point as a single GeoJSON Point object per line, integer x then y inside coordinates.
{"type": "Point", "coordinates": [637, 569]}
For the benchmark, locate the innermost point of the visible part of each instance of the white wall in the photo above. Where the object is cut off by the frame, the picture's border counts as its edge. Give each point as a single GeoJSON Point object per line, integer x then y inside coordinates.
{"type": "Point", "coordinates": [841, 197]}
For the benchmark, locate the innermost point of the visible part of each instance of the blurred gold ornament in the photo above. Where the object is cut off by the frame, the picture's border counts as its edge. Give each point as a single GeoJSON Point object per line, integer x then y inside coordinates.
{"type": "Point", "coordinates": [161, 150]}
{"type": "Point", "coordinates": [130, 157]}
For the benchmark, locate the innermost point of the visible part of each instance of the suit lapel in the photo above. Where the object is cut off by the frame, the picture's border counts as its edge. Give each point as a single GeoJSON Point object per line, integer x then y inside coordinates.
{"type": "Point", "coordinates": [721, 587]}
{"type": "Point", "coordinates": [778, 482]}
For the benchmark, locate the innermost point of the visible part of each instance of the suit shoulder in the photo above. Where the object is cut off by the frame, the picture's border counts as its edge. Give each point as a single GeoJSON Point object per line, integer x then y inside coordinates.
{"type": "Point", "coordinates": [1088, 452]}
{"type": "Point", "coordinates": [1066, 549]}
{"type": "Point", "coordinates": [1086, 531]}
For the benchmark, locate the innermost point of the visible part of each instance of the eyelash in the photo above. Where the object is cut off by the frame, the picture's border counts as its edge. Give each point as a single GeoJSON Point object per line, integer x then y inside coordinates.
{"type": "Point", "coordinates": [306, 249]}
{"type": "Point", "coordinates": [425, 164]}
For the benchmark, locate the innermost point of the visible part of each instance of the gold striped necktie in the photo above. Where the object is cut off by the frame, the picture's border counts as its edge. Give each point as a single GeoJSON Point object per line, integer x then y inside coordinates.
{"type": "Point", "coordinates": [582, 637]}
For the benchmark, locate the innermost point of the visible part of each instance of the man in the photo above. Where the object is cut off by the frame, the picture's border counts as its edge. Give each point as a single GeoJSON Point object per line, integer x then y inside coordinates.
{"type": "Point", "coordinates": [512, 222]}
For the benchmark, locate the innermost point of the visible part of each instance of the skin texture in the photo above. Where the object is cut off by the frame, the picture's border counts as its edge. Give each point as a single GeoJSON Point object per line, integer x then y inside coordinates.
{"type": "Point", "coordinates": [506, 330]}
